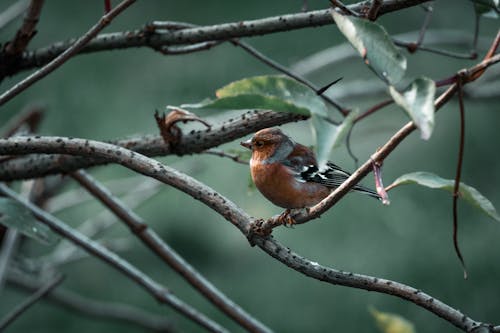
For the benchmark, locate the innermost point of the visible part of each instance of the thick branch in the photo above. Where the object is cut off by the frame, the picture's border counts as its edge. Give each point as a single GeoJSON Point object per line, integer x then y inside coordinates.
{"type": "Point", "coordinates": [192, 142]}
{"type": "Point", "coordinates": [225, 31]}
{"type": "Point", "coordinates": [199, 191]}
{"type": "Point", "coordinates": [149, 237]}
{"type": "Point", "coordinates": [162, 294]}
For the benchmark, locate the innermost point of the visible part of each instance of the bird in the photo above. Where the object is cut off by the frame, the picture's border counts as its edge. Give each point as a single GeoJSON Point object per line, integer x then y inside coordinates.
{"type": "Point", "coordinates": [287, 172]}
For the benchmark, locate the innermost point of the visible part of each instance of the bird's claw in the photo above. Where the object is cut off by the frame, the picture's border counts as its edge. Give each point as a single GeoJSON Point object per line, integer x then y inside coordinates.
{"type": "Point", "coordinates": [286, 219]}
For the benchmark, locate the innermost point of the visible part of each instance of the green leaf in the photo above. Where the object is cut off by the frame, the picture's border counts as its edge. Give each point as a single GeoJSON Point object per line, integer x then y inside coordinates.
{"type": "Point", "coordinates": [282, 94]}
{"type": "Point", "coordinates": [249, 101]}
{"type": "Point", "coordinates": [468, 193]}
{"type": "Point", "coordinates": [418, 101]}
{"type": "Point", "coordinates": [391, 323]}
{"type": "Point", "coordinates": [273, 92]}
{"type": "Point", "coordinates": [375, 46]}
{"type": "Point", "coordinates": [487, 8]}
{"type": "Point", "coordinates": [16, 216]}
{"type": "Point", "coordinates": [329, 136]}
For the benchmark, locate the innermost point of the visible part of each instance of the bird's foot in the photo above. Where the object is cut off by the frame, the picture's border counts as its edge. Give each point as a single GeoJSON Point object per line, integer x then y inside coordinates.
{"type": "Point", "coordinates": [286, 218]}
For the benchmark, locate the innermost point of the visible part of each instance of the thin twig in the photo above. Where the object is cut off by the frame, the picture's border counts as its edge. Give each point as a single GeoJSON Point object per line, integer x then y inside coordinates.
{"type": "Point", "coordinates": [373, 109]}
{"type": "Point", "coordinates": [195, 35]}
{"type": "Point", "coordinates": [96, 309]}
{"type": "Point", "coordinates": [270, 62]}
{"type": "Point", "coordinates": [345, 9]}
{"type": "Point", "coordinates": [26, 31]}
{"type": "Point", "coordinates": [235, 157]}
{"type": "Point", "coordinates": [429, 10]}
{"type": "Point", "coordinates": [349, 148]}
{"type": "Point", "coordinates": [458, 174]}
{"type": "Point", "coordinates": [162, 294]}
{"type": "Point", "coordinates": [66, 55]}
{"type": "Point", "coordinates": [107, 6]}
{"type": "Point", "coordinates": [21, 308]}
{"type": "Point", "coordinates": [151, 239]}
{"type": "Point", "coordinates": [412, 47]}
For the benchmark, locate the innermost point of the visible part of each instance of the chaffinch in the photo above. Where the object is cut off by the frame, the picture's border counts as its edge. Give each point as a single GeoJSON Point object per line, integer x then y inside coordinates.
{"type": "Point", "coordinates": [287, 173]}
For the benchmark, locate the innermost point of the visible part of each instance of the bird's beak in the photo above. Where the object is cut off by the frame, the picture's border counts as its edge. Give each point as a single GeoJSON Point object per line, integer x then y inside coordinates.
{"type": "Point", "coordinates": [247, 144]}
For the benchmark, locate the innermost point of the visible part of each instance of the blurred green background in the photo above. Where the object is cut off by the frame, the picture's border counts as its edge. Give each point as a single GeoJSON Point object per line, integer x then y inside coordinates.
{"type": "Point", "coordinates": [110, 95]}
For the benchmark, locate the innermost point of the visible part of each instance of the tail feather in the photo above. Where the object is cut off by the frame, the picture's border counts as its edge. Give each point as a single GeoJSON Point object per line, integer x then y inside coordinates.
{"type": "Point", "coordinates": [367, 191]}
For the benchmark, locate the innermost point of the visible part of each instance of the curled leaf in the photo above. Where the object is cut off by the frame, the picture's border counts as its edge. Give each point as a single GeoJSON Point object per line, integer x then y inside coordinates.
{"type": "Point", "coordinates": [418, 101]}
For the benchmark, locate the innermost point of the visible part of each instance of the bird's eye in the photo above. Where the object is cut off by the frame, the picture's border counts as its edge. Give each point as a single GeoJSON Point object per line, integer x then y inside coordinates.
{"type": "Point", "coordinates": [259, 143]}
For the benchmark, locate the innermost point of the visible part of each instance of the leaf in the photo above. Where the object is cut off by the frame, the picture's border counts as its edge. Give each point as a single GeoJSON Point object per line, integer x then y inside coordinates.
{"type": "Point", "coordinates": [375, 46]}
{"type": "Point", "coordinates": [487, 8]}
{"type": "Point", "coordinates": [391, 323]}
{"type": "Point", "coordinates": [468, 193]}
{"type": "Point", "coordinates": [282, 94]}
{"type": "Point", "coordinates": [274, 92]}
{"type": "Point", "coordinates": [418, 102]}
{"type": "Point", "coordinates": [16, 216]}
{"type": "Point", "coordinates": [249, 101]}
{"type": "Point", "coordinates": [329, 136]}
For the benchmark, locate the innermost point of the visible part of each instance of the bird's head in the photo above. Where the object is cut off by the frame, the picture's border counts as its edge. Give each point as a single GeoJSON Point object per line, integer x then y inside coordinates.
{"type": "Point", "coordinates": [268, 142]}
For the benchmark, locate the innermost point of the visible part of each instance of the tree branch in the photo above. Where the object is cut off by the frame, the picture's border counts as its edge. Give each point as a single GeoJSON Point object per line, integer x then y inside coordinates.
{"type": "Point", "coordinates": [225, 31]}
{"type": "Point", "coordinates": [24, 35]}
{"type": "Point", "coordinates": [162, 294]}
{"type": "Point", "coordinates": [239, 218]}
{"type": "Point", "coordinates": [66, 54]}
{"type": "Point", "coordinates": [196, 141]}
{"type": "Point", "coordinates": [151, 239]}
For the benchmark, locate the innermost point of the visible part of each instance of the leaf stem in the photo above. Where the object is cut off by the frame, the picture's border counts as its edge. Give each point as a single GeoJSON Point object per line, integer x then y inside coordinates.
{"type": "Point", "coordinates": [456, 189]}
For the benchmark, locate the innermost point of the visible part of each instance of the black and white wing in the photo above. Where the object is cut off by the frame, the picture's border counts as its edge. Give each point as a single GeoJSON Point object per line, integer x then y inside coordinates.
{"type": "Point", "coordinates": [333, 176]}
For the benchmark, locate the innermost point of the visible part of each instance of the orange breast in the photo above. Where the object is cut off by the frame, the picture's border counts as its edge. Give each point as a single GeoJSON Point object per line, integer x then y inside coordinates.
{"type": "Point", "coordinates": [278, 184]}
